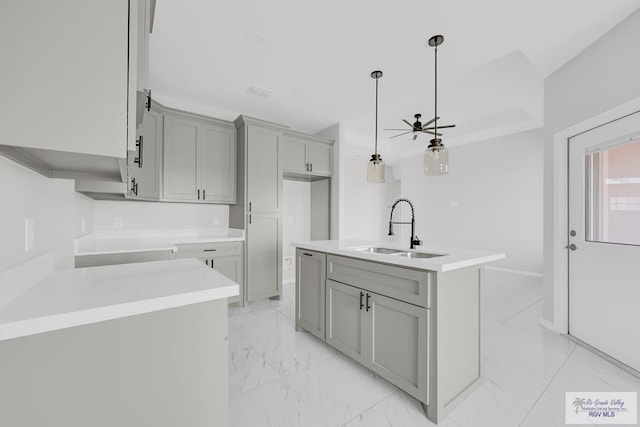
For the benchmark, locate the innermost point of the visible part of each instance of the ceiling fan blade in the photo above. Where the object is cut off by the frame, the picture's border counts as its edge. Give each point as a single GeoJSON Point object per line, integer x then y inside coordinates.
{"type": "Point", "coordinates": [410, 124]}
{"type": "Point", "coordinates": [430, 121]}
{"type": "Point", "coordinates": [400, 134]}
{"type": "Point", "coordinates": [440, 127]}
{"type": "Point", "coordinates": [396, 129]}
{"type": "Point", "coordinates": [430, 132]}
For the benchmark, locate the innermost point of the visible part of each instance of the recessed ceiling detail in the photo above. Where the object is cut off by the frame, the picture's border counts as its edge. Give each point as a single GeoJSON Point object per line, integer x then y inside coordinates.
{"type": "Point", "coordinates": [260, 91]}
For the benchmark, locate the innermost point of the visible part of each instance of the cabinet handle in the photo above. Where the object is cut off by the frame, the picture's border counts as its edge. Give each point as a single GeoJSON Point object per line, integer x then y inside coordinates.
{"type": "Point", "coordinates": [304, 253]}
{"type": "Point", "coordinates": [249, 206]}
{"type": "Point", "coordinates": [211, 263]}
{"type": "Point", "coordinates": [134, 186]}
{"type": "Point", "coordinates": [198, 194]}
{"type": "Point", "coordinates": [249, 218]}
{"type": "Point", "coordinates": [306, 167]}
{"type": "Point", "coordinates": [210, 250]}
{"type": "Point", "coordinates": [361, 304]}
{"type": "Point", "coordinates": [204, 194]}
{"type": "Point", "coordinates": [148, 103]}
{"type": "Point", "coordinates": [139, 145]}
{"type": "Point", "coordinates": [206, 261]}
{"type": "Point", "coordinates": [368, 306]}
{"type": "Point", "coordinates": [310, 167]}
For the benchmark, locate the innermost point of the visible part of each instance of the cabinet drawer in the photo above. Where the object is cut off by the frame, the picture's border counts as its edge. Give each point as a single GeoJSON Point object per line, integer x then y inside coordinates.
{"type": "Point", "coordinates": [209, 250]}
{"type": "Point", "coordinates": [405, 284]}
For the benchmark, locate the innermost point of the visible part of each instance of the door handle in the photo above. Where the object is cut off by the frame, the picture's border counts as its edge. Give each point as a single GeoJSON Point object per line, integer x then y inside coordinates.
{"type": "Point", "coordinates": [572, 247]}
{"type": "Point", "coordinates": [368, 306]}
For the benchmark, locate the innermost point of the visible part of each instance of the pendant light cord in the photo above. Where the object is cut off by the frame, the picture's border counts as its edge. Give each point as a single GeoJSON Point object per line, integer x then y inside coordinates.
{"type": "Point", "coordinates": [435, 124]}
{"type": "Point", "coordinates": [376, 144]}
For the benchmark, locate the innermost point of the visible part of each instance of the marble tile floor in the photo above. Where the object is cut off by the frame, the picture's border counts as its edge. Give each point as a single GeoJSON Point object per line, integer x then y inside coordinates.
{"type": "Point", "coordinates": [279, 377]}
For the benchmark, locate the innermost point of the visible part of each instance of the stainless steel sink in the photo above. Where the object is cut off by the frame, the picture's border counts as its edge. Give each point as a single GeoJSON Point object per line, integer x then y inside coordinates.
{"type": "Point", "coordinates": [385, 251]}
{"type": "Point", "coordinates": [408, 254]}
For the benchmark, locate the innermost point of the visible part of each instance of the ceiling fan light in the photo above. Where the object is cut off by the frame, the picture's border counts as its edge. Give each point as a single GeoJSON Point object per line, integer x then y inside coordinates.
{"type": "Point", "coordinates": [436, 160]}
{"type": "Point", "coordinates": [375, 170]}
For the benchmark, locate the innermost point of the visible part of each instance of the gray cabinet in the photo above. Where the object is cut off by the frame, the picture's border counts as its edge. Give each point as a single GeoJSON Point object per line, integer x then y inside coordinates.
{"type": "Point", "coordinates": [224, 257]}
{"type": "Point", "coordinates": [385, 335]}
{"type": "Point", "coordinates": [346, 320]}
{"type": "Point", "coordinates": [65, 73]}
{"type": "Point", "coordinates": [310, 291]}
{"type": "Point", "coordinates": [259, 178]}
{"type": "Point", "coordinates": [199, 160]}
{"type": "Point", "coordinates": [264, 253]}
{"type": "Point", "coordinates": [264, 175]}
{"type": "Point", "coordinates": [397, 337]}
{"type": "Point", "coordinates": [306, 155]}
{"type": "Point", "coordinates": [143, 165]}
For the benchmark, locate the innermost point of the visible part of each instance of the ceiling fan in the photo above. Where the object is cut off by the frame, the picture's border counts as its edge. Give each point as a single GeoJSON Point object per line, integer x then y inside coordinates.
{"type": "Point", "coordinates": [417, 127]}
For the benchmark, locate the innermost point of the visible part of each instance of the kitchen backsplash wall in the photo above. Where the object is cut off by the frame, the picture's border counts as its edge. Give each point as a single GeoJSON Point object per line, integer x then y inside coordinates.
{"type": "Point", "coordinates": [55, 212]}
{"type": "Point", "coordinates": [129, 215]}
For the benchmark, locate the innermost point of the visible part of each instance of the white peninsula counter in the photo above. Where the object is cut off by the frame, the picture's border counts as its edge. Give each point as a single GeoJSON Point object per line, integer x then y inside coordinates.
{"type": "Point", "coordinates": [127, 345]}
{"type": "Point", "coordinates": [413, 316]}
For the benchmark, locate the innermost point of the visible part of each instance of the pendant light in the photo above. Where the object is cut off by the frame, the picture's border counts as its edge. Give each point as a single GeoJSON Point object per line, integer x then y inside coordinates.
{"type": "Point", "coordinates": [436, 156]}
{"type": "Point", "coordinates": [375, 168]}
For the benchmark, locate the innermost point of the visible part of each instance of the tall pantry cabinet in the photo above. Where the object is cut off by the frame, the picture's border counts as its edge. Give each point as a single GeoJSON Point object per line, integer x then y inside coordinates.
{"type": "Point", "coordinates": [259, 205]}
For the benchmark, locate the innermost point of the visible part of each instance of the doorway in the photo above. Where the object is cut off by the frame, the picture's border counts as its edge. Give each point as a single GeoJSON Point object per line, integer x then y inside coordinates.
{"type": "Point", "coordinates": [604, 238]}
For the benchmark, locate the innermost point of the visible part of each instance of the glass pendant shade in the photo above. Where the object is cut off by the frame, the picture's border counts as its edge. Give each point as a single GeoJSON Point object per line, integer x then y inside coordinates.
{"type": "Point", "coordinates": [375, 170]}
{"type": "Point", "coordinates": [436, 162]}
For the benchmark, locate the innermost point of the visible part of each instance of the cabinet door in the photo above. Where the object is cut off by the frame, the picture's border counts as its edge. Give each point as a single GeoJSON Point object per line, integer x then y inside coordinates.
{"type": "Point", "coordinates": [217, 159]}
{"type": "Point", "coordinates": [397, 343]}
{"type": "Point", "coordinates": [310, 291]}
{"type": "Point", "coordinates": [264, 175]}
{"type": "Point", "coordinates": [146, 174]}
{"type": "Point", "coordinates": [180, 159]}
{"type": "Point", "coordinates": [346, 320]}
{"type": "Point", "coordinates": [319, 158]}
{"type": "Point", "coordinates": [64, 76]}
{"type": "Point", "coordinates": [231, 267]}
{"type": "Point", "coordinates": [293, 154]}
{"type": "Point", "coordinates": [263, 256]}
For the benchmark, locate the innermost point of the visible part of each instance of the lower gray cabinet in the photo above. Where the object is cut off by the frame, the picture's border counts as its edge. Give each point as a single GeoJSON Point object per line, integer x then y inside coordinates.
{"type": "Point", "coordinates": [397, 343]}
{"type": "Point", "coordinates": [224, 257]}
{"type": "Point", "coordinates": [310, 291]}
{"type": "Point", "coordinates": [385, 335]}
{"type": "Point", "coordinates": [264, 255]}
{"type": "Point", "coordinates": [346, 320]}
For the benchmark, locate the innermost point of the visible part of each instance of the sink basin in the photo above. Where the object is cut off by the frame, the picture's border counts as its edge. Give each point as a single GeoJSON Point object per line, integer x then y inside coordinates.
{"type": "Point", "coordinates": [385, 251]}
{"type": "Point", "coordinates": [408, 254]}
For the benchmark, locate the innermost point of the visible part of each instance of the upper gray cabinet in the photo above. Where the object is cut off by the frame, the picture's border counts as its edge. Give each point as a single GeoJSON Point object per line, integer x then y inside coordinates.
{"type": "Point", "coordinates": [144, 163]}
{"type": "Point", "coordinates": [306, 155]}
{"type": "Point", "coordinates": [263, 171]}
{"type": "Point", "coordinates": [140, 26]}
{"type": "Point", "coordinates": [65, 68]}
{"type": "Point", "coordinates": [199, 159]}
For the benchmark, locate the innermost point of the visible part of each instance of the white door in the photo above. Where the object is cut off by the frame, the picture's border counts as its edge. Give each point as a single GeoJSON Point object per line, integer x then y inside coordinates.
{"type": "Point", "coordinates": [604, 251]}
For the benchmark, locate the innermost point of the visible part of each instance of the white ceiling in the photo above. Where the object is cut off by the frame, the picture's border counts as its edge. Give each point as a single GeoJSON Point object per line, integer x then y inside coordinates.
{"type": "Point", "coordinates": [317, 57]}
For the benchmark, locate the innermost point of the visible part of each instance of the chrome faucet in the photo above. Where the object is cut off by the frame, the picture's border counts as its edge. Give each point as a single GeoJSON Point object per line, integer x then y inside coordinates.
{"type": "Point", "coordinates": [414, 239]}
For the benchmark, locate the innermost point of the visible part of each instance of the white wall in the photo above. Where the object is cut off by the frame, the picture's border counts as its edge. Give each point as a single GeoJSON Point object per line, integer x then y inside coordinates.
{"type": "Point", "coordinates": [602, 77]}
{"type": "Point", "coordinates": [366, 206]}
{"type": "Point", "coordinates": [490, 199]}
{"type": "Point", "coordinates": [296, 215]}
{"type": "Point", "coordinates": [159, 215]}
{"type": "Point", "coordinates": [56, 209]}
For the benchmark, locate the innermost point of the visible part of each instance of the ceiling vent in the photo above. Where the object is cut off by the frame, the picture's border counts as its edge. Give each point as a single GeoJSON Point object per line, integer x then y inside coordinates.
{"type": "Point", "coordinates": [260, 91]}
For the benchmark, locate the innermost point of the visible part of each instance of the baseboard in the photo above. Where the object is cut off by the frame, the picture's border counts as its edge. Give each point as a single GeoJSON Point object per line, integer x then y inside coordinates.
{"type": "Point", "coordinates": [549, 325]}
{"type": "Point", "coordinates": [520, 272]}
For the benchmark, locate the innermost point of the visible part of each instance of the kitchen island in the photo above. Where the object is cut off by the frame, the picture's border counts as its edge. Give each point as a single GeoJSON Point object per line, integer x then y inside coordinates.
{"type": "Point", "coordinates": [412, 316]}
{"type": "Point", "coordinates": [127, 345]}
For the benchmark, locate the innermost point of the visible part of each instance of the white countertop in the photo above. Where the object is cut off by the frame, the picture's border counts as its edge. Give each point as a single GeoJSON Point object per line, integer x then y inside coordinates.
{"type": "Point", "coordinates": [452, 259]}
{"type": "Point", "coordinates": [74, 297]}
{"type": "Point", "coordinates": [128, 241]}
